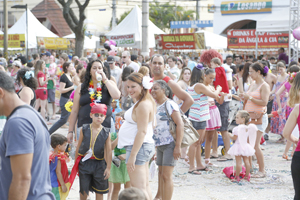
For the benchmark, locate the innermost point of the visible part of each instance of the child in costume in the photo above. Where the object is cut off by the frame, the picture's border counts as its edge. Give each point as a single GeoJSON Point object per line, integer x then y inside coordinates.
{"type": "Point", "coordinates": [58, 167]}
{"type": "Point", "coordinates": [241, 148]}
{"type": "Point", "coordinates": [93, 155]}
{"type": "Point", "coordinates": [115, 108]}
{"type": "Point", "coordinates": [118, 172]}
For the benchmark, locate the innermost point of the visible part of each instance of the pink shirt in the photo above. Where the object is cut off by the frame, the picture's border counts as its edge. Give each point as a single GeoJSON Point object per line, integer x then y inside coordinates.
{"type": "Point", "coordinates": [298, 122]}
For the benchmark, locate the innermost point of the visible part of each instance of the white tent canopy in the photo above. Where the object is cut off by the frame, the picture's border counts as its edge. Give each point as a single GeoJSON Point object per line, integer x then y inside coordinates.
{"type": "Point", "coordinates": [1, 32]}
{"type": "Point", "coordinates": [35, 29]}
{"type": "Point", "coordinates": [89, 43]}
{"type": "Point", "coordinates": [214, 41]}
{"type": "Point", "coordinates": [132, 24]}
{"type": "Point", "coordinates": [279, 21]}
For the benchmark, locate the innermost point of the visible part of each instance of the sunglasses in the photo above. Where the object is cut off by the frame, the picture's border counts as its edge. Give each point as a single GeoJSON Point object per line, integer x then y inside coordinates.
{"type": "Point", "coordinates": [124, 57]}
{"type": "Point", "coordinates": [97, 114]}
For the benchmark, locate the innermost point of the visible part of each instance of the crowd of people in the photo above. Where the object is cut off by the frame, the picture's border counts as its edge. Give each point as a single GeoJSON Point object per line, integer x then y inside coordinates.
{"type": "Point", "coordinates": [118, 112]}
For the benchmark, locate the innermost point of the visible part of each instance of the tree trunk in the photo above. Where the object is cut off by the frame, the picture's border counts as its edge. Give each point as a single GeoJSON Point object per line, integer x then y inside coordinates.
{"type": "Point", "coordinates": [79, 44]}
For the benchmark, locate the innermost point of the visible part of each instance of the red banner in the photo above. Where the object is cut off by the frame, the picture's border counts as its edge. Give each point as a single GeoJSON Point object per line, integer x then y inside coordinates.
{"type": "Point", "coordinates": [246, 39]}
{"type": "Point", "coordinates": [180, 41]}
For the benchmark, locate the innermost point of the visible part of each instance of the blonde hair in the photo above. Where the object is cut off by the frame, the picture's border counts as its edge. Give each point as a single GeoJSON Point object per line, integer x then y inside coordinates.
{"type": "Point", "coordinates": [144, 70]}
{"type": "Point", "coordinates": [294, 96]}
{"type": "Point", "coordinates": [245, 115]}
{"type": "Point", "coordinates": [216, 60]}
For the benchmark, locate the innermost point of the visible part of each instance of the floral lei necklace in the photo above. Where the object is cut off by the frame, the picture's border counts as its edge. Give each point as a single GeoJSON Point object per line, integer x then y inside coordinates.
{"type": "Point", "coordinates": [95, 95]}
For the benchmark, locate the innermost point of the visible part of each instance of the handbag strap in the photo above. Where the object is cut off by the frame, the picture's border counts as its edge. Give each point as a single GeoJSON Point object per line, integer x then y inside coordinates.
{"type": "Point", "coordinates": [169, 116]}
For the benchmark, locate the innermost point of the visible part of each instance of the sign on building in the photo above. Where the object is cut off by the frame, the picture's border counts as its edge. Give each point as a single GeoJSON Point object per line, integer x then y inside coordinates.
{"type": "Point", "coordinates": [191, 24]}
{"type": "Point", "coordinates": [55, 43]}
{"type": "Point", "coordinates": [180, 41]}
{"type": "Point", "coordinates": [246, 7]}
{"type": "Point", "coordinates": [123, 40]}
{"type": "Point", "coordinates": [246, 39]}
{"type": "Point", "coordinates": [14, 41]}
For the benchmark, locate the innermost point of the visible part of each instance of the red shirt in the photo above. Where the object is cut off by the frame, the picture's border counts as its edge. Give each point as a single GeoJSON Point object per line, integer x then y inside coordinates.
{"type": "Point", "coordinates": [39, 75]}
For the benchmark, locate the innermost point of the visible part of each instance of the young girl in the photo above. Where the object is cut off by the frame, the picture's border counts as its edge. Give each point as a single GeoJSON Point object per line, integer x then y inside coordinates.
{"type": "Point", "coordinates": [199, 114]}
{"type": "Point", "coordinates": [286, 88]}
{"type": "Point", "coordinates": [214, 122]}
{"type": "Point", "coordinates": [241, 148]}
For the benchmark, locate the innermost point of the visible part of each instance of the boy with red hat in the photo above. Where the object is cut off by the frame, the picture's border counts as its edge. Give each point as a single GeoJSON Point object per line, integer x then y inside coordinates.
{"type": "Point", "coordinates": [93, 155]}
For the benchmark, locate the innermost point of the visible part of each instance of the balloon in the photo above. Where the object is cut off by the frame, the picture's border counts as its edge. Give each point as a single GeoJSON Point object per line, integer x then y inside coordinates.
{"type": "Point", "coordinates": [106, 46]}
{"type": "Point", "coordinates": [112, 47]}
{"type": "Point", "coordinates": [296, 33]}
{"type": "Point", "coordinates": [112, 42]}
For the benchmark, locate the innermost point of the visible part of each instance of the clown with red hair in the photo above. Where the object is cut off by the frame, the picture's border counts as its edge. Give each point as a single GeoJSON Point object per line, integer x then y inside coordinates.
{"type": "Point", "coordinates": [214, 60]}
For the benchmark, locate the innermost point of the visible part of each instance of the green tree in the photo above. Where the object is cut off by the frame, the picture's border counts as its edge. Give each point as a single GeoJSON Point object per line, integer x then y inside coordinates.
{"type": "Point", "coordinates": [162, 14]}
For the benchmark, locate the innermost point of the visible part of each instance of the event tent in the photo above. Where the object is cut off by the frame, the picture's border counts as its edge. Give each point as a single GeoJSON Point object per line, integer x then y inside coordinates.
{"type": "Point", "coordinates": [35, 29]}
{"type": "Point", "coordinates": [132, 24]}
{"type": "Point", "coordinates": [89, 43]}
{"type": "Point", "coordinates": [214, 41]}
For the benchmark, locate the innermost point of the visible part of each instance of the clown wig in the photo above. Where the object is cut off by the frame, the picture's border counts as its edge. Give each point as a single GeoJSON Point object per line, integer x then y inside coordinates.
{"type": "Point", "coordinates": [206, 56]}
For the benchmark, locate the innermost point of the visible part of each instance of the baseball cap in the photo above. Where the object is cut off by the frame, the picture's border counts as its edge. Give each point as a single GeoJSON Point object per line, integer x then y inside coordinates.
{"type": "Point", "coordinates": [47, 53]}
{"type": "Point", "coordinates": [111, 59]}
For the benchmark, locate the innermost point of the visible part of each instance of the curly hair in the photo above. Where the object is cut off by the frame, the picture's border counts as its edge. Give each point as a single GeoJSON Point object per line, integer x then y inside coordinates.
{"type": "Point", "coordinates": [85, 84]}
{"type": "Point", "coordinates": [31, 82]}
{"type": "Point", "coordinates": [208, 55]}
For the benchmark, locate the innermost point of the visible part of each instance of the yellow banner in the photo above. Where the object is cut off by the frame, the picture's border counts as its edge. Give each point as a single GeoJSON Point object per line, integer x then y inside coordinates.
{"type": "Point", "coordinates": [53, 43]}
{"type": "Point", "coordinates": [14, 41]}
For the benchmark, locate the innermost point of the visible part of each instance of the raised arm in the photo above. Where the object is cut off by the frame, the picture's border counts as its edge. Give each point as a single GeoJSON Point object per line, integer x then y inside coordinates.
{"type": "Point", "coordinates": [181, 94]}
{"type": "Point", "coordinates": [111, 86]}
{"type": "Point", "coordinates": [201, 88]}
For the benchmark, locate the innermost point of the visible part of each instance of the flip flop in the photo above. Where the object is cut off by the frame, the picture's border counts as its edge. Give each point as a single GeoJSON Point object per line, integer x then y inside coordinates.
{"type": "Point", "coordinates": [205, 169]}
{"type": "Point", "coordinates": [259, 175]}
{"type": "Point", "coordinates": [285, 157]}
{"type": "Point", "coordinates": [194, 172]}
{"type": "Point", "coordinates": [211, 165]}
{"type": "Point", "coordinates": [223, 158]}
{"type": "Point", "coordinates": [212, 156]}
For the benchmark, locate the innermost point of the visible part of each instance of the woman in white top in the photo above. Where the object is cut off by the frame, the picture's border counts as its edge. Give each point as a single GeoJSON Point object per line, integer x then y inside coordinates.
{"type": "Point", "coordinates": [136, 132]}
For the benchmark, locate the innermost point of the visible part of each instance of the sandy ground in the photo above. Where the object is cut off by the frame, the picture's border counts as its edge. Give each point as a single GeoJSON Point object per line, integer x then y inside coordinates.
{"type": "Point", "coordinates": [215, 185]}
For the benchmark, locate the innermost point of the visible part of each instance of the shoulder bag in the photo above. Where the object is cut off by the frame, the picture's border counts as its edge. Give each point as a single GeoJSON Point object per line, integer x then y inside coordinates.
{"type": "Point", "coordinates": [190, 135]}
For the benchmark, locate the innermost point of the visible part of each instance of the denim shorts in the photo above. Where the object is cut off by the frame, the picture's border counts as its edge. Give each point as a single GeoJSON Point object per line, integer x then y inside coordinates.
{"type": "Point", "coordinates": [164, 155]}
{"type": "Point", "coordinates": [199, 125]}
{"type": "Point", "coordinates": [262, 127]}
{"type": "Point", "coordinates": [144, 155]}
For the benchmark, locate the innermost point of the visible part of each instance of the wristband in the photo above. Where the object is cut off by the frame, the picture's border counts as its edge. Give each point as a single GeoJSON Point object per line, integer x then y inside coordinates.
{"type": "Point", "coordinates": [70, 132]}
{"type": "Point", "coordinates": [105, 81]}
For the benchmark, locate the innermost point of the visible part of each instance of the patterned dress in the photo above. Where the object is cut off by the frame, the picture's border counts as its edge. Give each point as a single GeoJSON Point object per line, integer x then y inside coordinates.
{"type": "Point", "coordinates": [277, 123]}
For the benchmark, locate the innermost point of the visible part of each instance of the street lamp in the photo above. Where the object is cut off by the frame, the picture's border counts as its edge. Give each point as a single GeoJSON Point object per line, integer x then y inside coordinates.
{"type": "Point", "coordinates": [24, 7]}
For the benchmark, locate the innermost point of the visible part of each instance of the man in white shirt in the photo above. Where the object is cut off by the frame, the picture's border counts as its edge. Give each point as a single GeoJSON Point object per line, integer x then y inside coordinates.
{"type": "Point", "coordinates": [126, 58]}
{"type": "Point", "coordinates": [114, 70]}
{"type": "Point", "coordinates": [172, 71]}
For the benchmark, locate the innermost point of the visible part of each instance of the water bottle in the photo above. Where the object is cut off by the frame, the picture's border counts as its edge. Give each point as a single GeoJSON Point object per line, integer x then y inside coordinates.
{"type": "Point", "coordinates": [98, 77]}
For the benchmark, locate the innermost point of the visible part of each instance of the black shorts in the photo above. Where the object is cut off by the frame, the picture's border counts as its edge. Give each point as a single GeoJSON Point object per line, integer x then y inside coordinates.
{"type": "Point", "coordinates": [269, 109]}
{"type": "Point", "coordinates": [224, 113]}
{"type": "Point", "coordinates": [91, 176]}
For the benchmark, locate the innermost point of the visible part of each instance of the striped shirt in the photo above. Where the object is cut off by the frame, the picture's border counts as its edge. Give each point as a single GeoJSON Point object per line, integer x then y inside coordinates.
{"type": "Point", "coordinates": [199, 111]}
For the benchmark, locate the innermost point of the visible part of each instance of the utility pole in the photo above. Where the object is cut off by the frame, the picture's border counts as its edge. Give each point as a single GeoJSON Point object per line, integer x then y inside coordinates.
{"type": "Point", "coordinates": [197, 12]}
{"type": "Point", "coordinates": [5, 39]}
{"type": "Point", "coordinates": [145, 19]}
{"type": "Point", "coordinates": [114, 11]}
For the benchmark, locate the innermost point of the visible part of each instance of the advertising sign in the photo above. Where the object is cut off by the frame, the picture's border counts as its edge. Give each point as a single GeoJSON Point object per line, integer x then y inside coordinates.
{"type": "Point", "coordinates": [192, 24]}
{"type": "Point", "coordinates": [180, 41]}
{"type": "Point", "coordinates": [123, 40]}
{"type": "Point", "coordinates": [14, 41]}
{"type": "Point", "coordinates": [246, 39]}
{"type": "Point", "coordinates": [246, 7]}
{"type": "Point", "coordinates": [54, 43]}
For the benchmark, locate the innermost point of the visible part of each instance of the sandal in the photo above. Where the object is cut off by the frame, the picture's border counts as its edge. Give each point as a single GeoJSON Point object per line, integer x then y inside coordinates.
{"type": "Point", "coordinates": [225, 158]}
{"type": "Point", "coordinates": [281, 140]}
{"type": "Point", "coordinates": [194, 172]}
{"type": "Point", "coordinates": [211, 164]}
{"type": "Point", "coordinates": [259, 175]}
{"type": "Point", "coordinates": [213, 156]}
{"type": "Point", "coordinates": [206, 169]}
{"type": "Point", "coordinates": [285, 157]}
